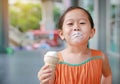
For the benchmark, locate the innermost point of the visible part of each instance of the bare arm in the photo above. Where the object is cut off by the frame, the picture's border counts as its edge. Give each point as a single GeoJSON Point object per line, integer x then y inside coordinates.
{"type": "Point", "coordinates": [106, 70]}
{"type": "Point", "coordinates": [106, 80]}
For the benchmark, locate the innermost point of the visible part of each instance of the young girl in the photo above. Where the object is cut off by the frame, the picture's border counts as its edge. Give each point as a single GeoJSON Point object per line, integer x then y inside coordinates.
{"type": "Point", "coordinates": [78, 64]}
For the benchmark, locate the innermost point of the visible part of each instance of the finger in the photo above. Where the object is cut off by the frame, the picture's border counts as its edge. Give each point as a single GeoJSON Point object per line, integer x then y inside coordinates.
{"type": "Point", "coordinates": [43, 72]}
{"type": "Point", "coordinates": [45, 76]}
{"type": "Point", "coordinates": [44, 67]}
{"type": "Point", "coordinates": [46, 81]}
{"type": "Point", "coordinates": [48, 70]}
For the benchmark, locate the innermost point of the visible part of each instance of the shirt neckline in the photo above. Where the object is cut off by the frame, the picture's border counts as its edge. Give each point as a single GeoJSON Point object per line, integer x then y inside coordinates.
{"type": "Point", "coordinates": [93, 56]}
{"type": "Point", "coordinates": [83, 62]}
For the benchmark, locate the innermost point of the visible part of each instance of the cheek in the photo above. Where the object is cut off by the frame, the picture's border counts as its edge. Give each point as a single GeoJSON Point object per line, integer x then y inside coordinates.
{"type": "Point", "coordinates": [87, 32]}
{"type": "Point", "coordinates": [86, 29]}
{"type": "Point", "coordinates": [66, 34]}
{"type": "Point", "coordinates": [66, 31]}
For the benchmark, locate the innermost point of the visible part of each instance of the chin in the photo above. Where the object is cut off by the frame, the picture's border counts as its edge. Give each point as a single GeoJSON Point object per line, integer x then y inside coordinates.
{"type": "Point", "coordinates": [76, 43]}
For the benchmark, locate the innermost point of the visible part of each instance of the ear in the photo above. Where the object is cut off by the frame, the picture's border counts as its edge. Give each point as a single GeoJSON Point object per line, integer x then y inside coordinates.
{"type": "Point", "coordinates": [92, 33]}
{"type": "Point", "coordinates": [60, 32]}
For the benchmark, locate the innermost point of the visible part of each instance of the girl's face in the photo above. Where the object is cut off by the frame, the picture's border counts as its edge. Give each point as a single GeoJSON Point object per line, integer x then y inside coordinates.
{"type": "Point", "coordinates": [76, 27]}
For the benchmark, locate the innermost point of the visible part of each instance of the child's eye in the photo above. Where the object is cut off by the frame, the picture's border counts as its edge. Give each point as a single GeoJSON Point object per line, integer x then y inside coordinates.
{"type": "Point", "coordinates": [69, 23]}
{"type": "Point", "coordinates": [82, 23]}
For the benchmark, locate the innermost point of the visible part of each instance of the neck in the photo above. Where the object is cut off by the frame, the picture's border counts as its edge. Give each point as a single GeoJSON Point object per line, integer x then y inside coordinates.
{"type": "Point", "coordinates": [79, 49]}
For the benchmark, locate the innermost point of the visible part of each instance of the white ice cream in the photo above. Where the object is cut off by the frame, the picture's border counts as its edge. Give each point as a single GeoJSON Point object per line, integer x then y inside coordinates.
{"type": "Point", "coordinates": [51, 59]}
{"type": "Point", "coordinates": [51, 53]}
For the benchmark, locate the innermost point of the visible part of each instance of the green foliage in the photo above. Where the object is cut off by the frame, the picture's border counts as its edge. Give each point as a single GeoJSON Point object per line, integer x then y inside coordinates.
{"type": "Point", "coordinates": [25, 16]}
{"type": "Point", "coordinates": [56, 12]}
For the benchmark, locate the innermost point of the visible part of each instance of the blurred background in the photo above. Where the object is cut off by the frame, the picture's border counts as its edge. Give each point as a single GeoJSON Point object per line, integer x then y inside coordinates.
{"type": "Point", "coordinates": [28, 29]}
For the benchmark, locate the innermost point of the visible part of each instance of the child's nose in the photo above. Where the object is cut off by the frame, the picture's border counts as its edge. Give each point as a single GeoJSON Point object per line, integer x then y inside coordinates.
{"type": "Point", "coordinates": [76, 29]}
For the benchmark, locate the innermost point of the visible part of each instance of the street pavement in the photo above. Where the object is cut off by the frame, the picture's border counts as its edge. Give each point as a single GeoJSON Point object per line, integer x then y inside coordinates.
{"type": "Point", "coordinates": [22, 66]}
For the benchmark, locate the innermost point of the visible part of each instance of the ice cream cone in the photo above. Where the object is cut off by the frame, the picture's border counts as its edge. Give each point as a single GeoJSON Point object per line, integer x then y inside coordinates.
{"type": "Point", "coordinates": [51, 59]}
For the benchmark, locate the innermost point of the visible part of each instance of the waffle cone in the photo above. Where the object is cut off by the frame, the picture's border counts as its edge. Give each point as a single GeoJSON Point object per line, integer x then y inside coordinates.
{"type": "Point", "coordinates": [52, 61]}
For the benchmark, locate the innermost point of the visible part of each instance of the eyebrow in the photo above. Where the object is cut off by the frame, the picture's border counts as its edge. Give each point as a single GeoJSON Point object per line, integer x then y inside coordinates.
{"type": "Point", "coordinates": [73, 19]}
{"type": "Point", "coordinates": [68, 20]}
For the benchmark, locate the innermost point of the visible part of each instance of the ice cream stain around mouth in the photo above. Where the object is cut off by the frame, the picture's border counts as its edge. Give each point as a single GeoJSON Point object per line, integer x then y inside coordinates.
{"type": "Point", "coordinates": [76, 36]}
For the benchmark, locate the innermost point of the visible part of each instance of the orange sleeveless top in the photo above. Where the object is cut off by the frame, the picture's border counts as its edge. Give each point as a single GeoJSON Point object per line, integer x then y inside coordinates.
{"type": "Point", "coordinates": [87, 72]}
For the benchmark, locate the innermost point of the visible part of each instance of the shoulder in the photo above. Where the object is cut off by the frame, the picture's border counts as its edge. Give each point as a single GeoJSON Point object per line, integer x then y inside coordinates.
{"type": "Point", "coordinates": [97, 52]}
{"type": "Point", "coordinates": [100, 54]}
{"type": "Point", "coordinates": [59, 54]}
